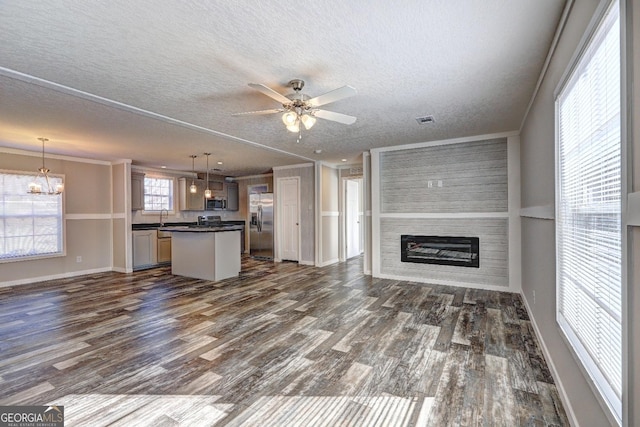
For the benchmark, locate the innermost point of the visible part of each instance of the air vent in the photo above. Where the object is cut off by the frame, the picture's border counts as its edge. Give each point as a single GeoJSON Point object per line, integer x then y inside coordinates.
{"type": "Point", "coordinates": [425, 120]}
{"type": "Point", "coordinates": [355, 171]}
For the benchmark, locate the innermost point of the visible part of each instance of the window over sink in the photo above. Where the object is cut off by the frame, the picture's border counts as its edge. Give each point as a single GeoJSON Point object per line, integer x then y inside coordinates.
{"type": "Point", "coordinates": [158, 194]}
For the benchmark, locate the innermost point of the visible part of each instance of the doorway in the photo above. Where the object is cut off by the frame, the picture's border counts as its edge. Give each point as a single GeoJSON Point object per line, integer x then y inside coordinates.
{"type": "Point", "coordinates": [354, 226]}
{"type": "Point", "coordinates": [288, 200]}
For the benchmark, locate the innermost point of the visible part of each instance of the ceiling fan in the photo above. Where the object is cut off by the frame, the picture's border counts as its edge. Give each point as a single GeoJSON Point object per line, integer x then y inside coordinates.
{"type": "Point", "coordinates": [299, 107]}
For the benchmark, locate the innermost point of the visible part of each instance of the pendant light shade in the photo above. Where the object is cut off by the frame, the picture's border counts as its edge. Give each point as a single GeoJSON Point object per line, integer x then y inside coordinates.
{"type": "Point", "coordinates": [193, 189]}
{"type": "Point", "coordinates": [207, 192]}
{"type": "Point", "coordinates": [35, 187]}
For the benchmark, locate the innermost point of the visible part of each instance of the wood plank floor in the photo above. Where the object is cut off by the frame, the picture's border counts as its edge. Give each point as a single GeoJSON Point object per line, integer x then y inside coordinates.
{"type": "Point", "coordinates": [282, 345]}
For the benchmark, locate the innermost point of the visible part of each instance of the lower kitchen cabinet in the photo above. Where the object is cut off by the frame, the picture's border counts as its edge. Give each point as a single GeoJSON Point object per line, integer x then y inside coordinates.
{"type": "Point", "coordinates": [145, 248]}
{"type": "Point", "coordinates": [164, 247]}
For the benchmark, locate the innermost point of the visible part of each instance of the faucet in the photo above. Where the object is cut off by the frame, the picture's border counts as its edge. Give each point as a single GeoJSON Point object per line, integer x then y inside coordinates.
{"type": "Point", "coordinates": [161, 211]}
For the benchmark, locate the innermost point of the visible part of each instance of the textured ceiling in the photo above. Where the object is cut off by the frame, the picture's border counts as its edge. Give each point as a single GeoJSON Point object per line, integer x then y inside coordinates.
{"type": "Point", "coordinates": [156, 81]}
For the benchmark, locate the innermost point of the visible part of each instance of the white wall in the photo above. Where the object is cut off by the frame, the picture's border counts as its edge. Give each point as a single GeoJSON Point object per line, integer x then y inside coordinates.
{"type": "Point", "coordinates": [538, 230]}
{"type": "Point", "coordinates": [306, 172]}
{"type": "Point", "coordinates": [329, 227]}
{"type": "Point", "coordinates": [88, 219]}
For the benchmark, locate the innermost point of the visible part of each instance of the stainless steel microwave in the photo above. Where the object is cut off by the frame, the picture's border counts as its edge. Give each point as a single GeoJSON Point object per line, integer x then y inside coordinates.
{"type": "Point", "coordinates": [216, 204]}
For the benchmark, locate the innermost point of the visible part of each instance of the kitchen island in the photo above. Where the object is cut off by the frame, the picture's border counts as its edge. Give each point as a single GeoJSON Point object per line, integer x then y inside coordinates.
{"type": "Point", "coordinates": [209, 253]}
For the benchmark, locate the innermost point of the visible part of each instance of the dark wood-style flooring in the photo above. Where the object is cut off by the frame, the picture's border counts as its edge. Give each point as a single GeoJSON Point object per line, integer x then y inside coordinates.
{"type": "Point", "coordinates": [282, 345]}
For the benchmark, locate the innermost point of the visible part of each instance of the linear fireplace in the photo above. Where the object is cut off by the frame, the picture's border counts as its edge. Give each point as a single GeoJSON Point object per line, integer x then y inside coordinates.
{"type": "Point", "coordinates": [444, 250]}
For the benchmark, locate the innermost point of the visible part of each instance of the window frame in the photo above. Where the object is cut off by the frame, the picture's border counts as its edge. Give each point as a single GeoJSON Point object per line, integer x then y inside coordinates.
{"type": "Point", "coordinates": [61, 218]}
{"type": "Point", "coordinates": [614, 409]}
{"type": "Point", "coordinates": [172, 180]}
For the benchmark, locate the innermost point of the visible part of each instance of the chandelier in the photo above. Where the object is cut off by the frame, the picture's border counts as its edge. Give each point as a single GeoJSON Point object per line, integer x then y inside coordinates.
{"type": "Point", "coordinates": [35, 187]}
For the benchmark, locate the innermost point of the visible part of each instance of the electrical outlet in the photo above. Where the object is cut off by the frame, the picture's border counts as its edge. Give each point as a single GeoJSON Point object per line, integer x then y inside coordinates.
{"type": "Point", "coordinates": [79, 258]}
{"type": "Point", "coordinates": [430, 184]}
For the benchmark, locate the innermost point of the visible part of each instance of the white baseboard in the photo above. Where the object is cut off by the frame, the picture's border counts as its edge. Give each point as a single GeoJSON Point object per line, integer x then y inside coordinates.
{"type": "Point", "coordinates": [329, 262]}
{"type": "Point", "coordinates": [311, 263]}
{"type": "Point", "coordinates": [554, 372]}
{"type": "Point", "coordinates": [54, 277]}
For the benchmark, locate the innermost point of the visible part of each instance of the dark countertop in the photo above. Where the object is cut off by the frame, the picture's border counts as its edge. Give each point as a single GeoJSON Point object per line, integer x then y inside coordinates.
{"type": "Point", "coordinates": [188, 229]}
{"type": "Point", "coordinates": [156, 225]}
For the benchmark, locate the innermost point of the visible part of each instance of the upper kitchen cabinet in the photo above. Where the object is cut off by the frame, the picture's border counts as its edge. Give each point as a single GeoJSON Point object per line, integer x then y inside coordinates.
{"type": "Point", "coordinates": [189, 201]}
{"type": "Point", "coordinates": [232, 196]}
{"type": "Point", "coordinates": [137, 191]}
{"type": "Point", "coordinates": [217, 189]}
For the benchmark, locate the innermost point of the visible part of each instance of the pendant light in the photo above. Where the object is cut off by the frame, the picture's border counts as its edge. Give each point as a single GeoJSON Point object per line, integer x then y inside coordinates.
{"type": "Point", "coordinates": [35, 187]}
{"type": "Point", "coordinates": [207, 192]}
{"type": "Point", "coordinates": [193, 189]}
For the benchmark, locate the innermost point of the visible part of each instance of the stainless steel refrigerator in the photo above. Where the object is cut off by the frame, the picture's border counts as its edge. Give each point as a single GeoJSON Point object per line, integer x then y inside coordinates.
{"type": "Point", "coordinates": [261, 225]}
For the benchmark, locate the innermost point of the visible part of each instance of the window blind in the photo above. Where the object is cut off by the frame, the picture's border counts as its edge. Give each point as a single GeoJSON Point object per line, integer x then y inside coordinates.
{"type": "Point", "coordinates": [588, 210]}
{"type": "Point", "coordinates": [30, 225]}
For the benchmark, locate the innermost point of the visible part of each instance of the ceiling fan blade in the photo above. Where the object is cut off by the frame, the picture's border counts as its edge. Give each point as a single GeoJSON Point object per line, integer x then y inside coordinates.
{"type": "Point", "coordinates": [270, 93]}
{"type": "Point", "coordinates": [257, 112]}
{"type": "Point", "coordinates": [332, 96]}
{"type": "Point", "coordinates": [333, 116]}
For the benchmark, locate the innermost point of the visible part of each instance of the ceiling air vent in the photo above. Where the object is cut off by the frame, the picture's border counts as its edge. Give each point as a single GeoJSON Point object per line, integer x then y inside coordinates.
{"type": "Point", "coordinates": [425, 120]}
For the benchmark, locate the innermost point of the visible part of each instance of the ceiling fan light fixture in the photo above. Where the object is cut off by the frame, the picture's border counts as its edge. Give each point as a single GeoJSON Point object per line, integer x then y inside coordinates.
{"type": "Point", "coordinates": [299, 107]}
{"type": "Point", "coordinates": [308, 121]}
{"type": "Point", "coordinates": [289, 118]}
{"type": "Point", "coordinates": [295, 127]}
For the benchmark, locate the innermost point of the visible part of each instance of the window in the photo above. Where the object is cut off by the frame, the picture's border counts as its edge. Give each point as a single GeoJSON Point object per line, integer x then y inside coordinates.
{"type": "Point", "coordinates": [158, 194]}
{"type": "Point", "coordinates": [30, 225]}
{"type": "Point", "coordinates": [588, 210]}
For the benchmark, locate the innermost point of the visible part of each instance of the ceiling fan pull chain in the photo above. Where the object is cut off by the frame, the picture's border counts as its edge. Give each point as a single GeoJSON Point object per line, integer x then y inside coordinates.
{"type": "Point", "coordinates": [299, 136]}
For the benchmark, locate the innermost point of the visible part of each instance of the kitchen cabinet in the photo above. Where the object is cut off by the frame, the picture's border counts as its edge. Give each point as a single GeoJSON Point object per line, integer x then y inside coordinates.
{"type": "Point", "coordinates": [137, 191]}
{"type": "Point", "coordinates": [189, 201]}
{"type": "Point", "coordinates": [164, 246]}
{"type": "Point", "coordinates": [216, 186]}
{"type": "Point", "coordinates": [218, 189]}
{"type": "Point", "coordinates": [145, 248]}
{"type": "Point", "coordinates": [232, 196]}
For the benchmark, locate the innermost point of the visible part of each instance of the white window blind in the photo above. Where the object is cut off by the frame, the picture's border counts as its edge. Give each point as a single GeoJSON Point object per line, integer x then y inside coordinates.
{"type": "Point", "coordinates": [158, 194]}
{"type": "Point", "coordinates": [588, 210]}
{"type": "Point", "coordinates": [30, 225]}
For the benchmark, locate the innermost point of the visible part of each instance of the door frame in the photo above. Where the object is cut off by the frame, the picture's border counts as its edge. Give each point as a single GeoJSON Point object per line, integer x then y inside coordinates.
{"type": "Point", "coordinates": [278, 218]}
{"type": "Point", "coordinates": [343, 215]}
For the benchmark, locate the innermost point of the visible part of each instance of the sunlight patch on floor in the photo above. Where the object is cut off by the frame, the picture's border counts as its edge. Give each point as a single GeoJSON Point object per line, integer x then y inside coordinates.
{"type": "Point", "coordinates": [183, 410]}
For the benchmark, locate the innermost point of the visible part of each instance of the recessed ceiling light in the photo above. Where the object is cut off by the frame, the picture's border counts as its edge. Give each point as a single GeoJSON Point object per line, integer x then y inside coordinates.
{"type": "Point", "coordinates": [344, 160]}
{"type": "Point", "coordinates": [219, 163]}
{"type": "Point", "coordinates": [163, 167]}
{"type": "Point", "coordinates": [318, 151]}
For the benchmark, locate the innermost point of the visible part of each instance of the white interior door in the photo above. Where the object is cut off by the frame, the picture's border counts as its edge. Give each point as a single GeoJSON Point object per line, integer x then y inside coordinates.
{"type": "Point", "coordinates": [353, 218]}
{"type": "Point", "coordinates": [289, 218]}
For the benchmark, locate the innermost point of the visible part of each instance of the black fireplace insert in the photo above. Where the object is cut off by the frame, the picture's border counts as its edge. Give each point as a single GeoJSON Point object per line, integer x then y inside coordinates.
{"type": "Point", "coordinates": [443, 250]}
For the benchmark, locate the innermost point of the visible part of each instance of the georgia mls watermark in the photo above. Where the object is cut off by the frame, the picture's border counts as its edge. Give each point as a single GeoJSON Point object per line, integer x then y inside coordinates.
{"type": "Point", "coordinates": [31, 416]}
